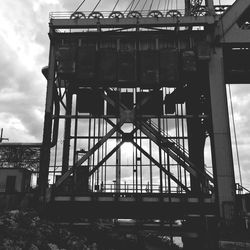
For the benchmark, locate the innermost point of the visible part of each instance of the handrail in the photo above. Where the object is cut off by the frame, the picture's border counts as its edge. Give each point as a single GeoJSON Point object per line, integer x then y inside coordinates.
{"type": "Point", "coordinates": [178, 145]}
{"type": "Point", "coordinates": [240, 188]}
{"type": "Point", "coordinates": [130, 188]}
{"type": "Point", "coordinates": [219, 10]}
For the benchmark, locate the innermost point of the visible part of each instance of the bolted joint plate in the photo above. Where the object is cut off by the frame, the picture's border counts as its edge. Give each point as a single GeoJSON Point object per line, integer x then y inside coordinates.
{"type": "Point", "coordinates": [127, 137]}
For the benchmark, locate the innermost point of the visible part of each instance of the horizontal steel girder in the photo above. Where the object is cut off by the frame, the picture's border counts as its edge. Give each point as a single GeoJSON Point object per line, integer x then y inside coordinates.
{"type": "Point", "coordinates": [145, 22]}
{"type": "Point", "coordinates": [130, 206]}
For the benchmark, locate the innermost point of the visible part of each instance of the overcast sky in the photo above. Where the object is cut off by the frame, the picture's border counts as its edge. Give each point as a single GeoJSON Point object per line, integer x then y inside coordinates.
{"type": "Point", "coordinates": [24, 51]}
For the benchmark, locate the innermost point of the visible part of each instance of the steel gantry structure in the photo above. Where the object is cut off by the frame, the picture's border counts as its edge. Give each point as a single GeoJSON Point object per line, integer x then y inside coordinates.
{"type": "Point", "coordinates": [136, 101]}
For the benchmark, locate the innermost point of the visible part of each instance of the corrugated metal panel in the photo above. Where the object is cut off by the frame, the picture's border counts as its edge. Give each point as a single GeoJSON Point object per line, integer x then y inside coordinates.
{"type": "Point", "coordinates": [90, 101]}
{"type": "Point", "coordinates": [86, 63]}
{"type": "Point", "coordinates": [203, 50]}
{"type": "Point", "coordinates": [127, 45]}
{"type": "Point", "coordinates": [169, 67]}
{"type": "Point", "coordinates": [108, 44]}
{"type": "Point", "coordinates": [148, 44]}
{"type": "Point", "coordinates": [126, 67]}
{"type": "Point", "coordinates": [107, 66]}
{"type": "Point", "coordinates": [149, 68]}
{"type": "Point", "coordinates": [189, 61]}
{"type": "Point", "coordinates": [65, 57]}
{"type": "Point", "coordinates": [153, 106]}
{"type": "Point", "coordinates": [167, 43]}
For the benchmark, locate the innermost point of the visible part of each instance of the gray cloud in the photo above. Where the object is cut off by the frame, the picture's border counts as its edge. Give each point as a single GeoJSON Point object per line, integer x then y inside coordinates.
{"type": "Point", "coordinates": [24, 51]}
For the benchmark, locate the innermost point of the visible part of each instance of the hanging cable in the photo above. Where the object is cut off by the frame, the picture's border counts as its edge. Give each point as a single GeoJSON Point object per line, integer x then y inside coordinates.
{"type": "Point", "coordinates": [128, 6]}
{"type": "Point", "coordinates": [165, 4]}
{"type": "Point", "coordinates": [235, 135]}
{"type": "Point", "coordinates": [144, 5]}
{"type": "Point", "coordinates": [115, 5]}
{"type": "Point", "coordinates": [158, 6]}
{"type": "Point", "coordinates": [96, 5]}
{"type": "Point", "coordinates": [80, 5]}
{"type": "Point", "coordinates": [151, 5]}
{"type": "Point", "coordinates": [131, 7]}
{"type": "Point", "coordinates": [137, 4]}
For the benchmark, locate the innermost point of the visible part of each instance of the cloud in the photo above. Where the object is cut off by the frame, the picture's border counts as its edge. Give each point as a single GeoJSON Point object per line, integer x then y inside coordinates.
{"type": "Point", "coordinates": [24, 51]}
{"type": "Point", "coordinates": [240, 101]}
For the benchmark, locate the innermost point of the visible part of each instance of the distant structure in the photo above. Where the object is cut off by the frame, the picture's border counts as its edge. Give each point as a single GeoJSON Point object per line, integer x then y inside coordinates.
{"type": "Point", "coordinates": [16, 156]}
{"type": "Point", "coordinates": [20, 155]}
{"type": "Point", "coordinates": [139, 98]}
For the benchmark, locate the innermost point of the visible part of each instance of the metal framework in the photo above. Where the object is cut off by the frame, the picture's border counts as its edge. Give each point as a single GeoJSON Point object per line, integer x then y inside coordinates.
{"type": "Point", "coordinates": [135, 103]}
{"type": "Point", "coordinates": [20, 155]}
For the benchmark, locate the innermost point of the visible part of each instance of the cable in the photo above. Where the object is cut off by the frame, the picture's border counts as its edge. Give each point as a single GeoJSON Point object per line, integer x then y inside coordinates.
{"type": "Point", "coordinates": [115, 5]}
{"type": "Point", "coordinates": [96, 5]}
{"type": "Point", "coordinates": [158, 6]}
{"type": "Point", "coordinates": [168, 5]}
{"type": "Point", "coordinates": [151, 5]}
{"type": "Point", "coordinates": [128, 7]}
{"type": "Point", "coordinates": [144, 5]}
{"type": "Point", "coordinates": [133, 1]}
{"type": "Point", "coordinates": [137, 4]}
{"type": "Point", "coordinates": [235, 136]}
{"type": "Point", "coordinates": [80, 5]}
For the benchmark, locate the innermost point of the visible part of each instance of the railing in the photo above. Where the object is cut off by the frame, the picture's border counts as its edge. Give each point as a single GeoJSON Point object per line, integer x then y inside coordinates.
{"type": "Point", "coordinates": [114, 14]}
{"type": "Point", "coordinates": [202, 11]}
{"type": "Point", "coordinates": [163, 133]}
{"type": "Point", "coordinates": [132, 188]}
{"type": "Point", "coordinates": [240, 189]}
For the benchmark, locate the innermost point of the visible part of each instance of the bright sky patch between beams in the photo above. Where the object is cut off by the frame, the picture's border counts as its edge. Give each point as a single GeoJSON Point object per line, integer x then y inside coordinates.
{"type": "Point", "coordinates": [24, 51]}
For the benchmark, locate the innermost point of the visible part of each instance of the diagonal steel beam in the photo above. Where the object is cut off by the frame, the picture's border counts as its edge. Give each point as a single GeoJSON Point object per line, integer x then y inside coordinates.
{"type": "Point", "coordinates": [173, 151]}
{"type": "Point", "coordinates": [89, 153]}
{"type": "Point", "coordinates": [124, 107]}
{"type": "Point", "coordinates": [113, 125]}
{"type": "Point", "coordinates": [161, 167]}
{"type": "Point", "coordinates": [155, 162]}
{"type": "Point", "coordinates": [174, 154]}
{"type": "Point", "coordinates": [106, 158]}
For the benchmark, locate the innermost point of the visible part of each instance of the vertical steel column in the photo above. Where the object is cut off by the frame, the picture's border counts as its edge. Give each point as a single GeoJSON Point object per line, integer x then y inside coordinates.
{"type": "Point", "coordinates": [210, 6]}
{"type": "Point", "coordinates": [67, 129]}
{"type": "Point", "coordinates": [220, 138]}
{"type": "Point", "coordinates": [196, 135]}
{"type": "Point", "coordinates": [47, 129]}
{"type": "Point", "coordinates": [118, 161]}
{"type": "Point", "coordinates": [187, 7]}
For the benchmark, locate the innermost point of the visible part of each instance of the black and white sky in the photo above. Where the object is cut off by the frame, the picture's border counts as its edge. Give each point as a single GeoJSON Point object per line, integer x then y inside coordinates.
{"type": "Point", "coordinates": [24, 46]}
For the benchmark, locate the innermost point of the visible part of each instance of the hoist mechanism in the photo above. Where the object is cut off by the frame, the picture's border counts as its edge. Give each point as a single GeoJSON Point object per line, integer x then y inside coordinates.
{"type": "Point", "coordinates": [156, 9]}
{"type": "Point", "coordinates": [143, 92]}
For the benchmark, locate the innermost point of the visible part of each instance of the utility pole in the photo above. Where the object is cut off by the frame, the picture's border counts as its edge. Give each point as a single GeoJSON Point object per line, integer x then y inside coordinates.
{"type": "Point", "coordinates": [1, 137]}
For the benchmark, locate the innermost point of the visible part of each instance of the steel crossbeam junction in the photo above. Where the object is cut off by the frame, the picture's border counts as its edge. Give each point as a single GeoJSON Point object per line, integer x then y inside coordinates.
{"type": "Point", "coordinates": [136, 122]}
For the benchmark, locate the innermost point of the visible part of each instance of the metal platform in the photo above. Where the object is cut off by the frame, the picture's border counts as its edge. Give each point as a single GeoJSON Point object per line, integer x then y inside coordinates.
{"type": "Point", "coordinates": [127, 63]}
{"type": "Point", "coordinates": [130, 206]}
